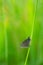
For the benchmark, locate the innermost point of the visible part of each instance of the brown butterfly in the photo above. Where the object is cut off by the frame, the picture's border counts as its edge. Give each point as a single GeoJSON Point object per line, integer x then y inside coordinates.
{"type": "Point", "coordinates": [25, 43]}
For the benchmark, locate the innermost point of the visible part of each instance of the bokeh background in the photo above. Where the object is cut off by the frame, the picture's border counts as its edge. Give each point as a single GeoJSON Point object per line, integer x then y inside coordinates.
{"type": "Point", "coordinates": [20, 19]}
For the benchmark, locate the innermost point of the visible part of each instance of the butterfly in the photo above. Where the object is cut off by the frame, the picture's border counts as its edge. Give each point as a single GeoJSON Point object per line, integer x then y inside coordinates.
{"type": "Point", "coordinates": [25, 43]}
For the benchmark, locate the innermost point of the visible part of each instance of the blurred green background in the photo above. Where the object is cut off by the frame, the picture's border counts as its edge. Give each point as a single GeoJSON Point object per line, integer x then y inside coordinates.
{"type": "Point", "coordinates": [18, 20]}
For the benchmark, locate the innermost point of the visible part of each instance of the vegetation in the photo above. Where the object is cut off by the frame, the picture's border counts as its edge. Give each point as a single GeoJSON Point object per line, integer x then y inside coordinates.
{"type": "Point", "coordinates": [20, 19]}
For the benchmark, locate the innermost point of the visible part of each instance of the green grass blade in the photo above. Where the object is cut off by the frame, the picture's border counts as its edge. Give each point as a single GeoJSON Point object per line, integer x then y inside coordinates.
{"type": "Point", "coordinates": [32, 32]}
